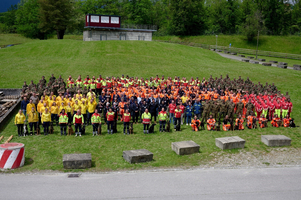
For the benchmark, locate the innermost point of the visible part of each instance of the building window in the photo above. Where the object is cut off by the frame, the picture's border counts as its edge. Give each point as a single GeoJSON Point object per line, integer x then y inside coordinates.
{"type": "Point", "coordinates": [114, 20]}
{"type": "Point", "coordinates": [94, 19]}
{"type": "Point", "coordinates": [141, 37]}
{"type": "Point", "coordinates": [88, 18]}
{"type": "Point", "coordinates": [105, 19]}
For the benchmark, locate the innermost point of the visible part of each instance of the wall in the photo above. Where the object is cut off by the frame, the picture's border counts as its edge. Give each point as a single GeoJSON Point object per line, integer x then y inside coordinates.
{"type": "Point", "coordinates": [95, 35]}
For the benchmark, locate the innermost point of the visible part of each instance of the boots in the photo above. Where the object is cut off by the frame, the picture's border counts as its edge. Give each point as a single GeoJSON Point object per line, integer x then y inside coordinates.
{"type": "Point", "coordinates": [144, 131]}
{"type": "Point", "coordinates": [80, 134]}
{"type": "Point", "coordinates": [108, 132]}
{"type": "Point", "coordinates": [112, 132]}
{"type": "Point", "coordinates": [76, 134]}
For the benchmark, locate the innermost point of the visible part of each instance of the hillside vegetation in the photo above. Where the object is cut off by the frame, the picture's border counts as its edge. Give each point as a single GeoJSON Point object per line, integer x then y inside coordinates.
{"type": "Point", "coordinates": [33, 59]}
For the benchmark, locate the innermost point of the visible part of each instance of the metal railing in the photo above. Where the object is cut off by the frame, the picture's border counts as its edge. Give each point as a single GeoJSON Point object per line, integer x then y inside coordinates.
{"type": "Point", "coordinates": [239, 50]}
{"type": "Point", "coordinates": [139, 26]}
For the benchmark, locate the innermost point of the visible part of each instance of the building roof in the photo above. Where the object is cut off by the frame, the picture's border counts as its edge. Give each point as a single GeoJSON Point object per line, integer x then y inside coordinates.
{"type": "Point", "coordinates": [121, 29]}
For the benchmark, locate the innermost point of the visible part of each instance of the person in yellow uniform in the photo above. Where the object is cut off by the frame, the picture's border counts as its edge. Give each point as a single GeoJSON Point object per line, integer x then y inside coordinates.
{"type": "Point", "coordinates": [63, 119]}
{"type": "Point", "coordinates": [146, 119]}
{"type": "Point", "coordinates": [76, 106]}
{"type": "Point", "coordinates": [29, 106]}
{"type": "Point", "coordinates": [91, 108]}
{"type": "Point", "coordinates": [33, 118]}
{"type": "Point", "coordinates": [84, 109]}
{"type": "Point", "coordinates": [19, 122]}
{"type": "Point", "coordinates": [69, 111]}
{"type": "Point", "coordinates": [46, 119]}
{"type": "Point", "coordinates": [54, 113]}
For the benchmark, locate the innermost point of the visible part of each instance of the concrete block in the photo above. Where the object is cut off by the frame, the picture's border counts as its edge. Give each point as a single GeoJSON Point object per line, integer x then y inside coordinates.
{"type": "Point", "coordinates": [254, 62]}
{"type": "Point", "coordinates": [77, 161]}
{"type": "Point", "coordinates": [273, 61]}
{"type": "Point", "coordinates": [245, 60]}
{"type": "Point", "coordinates": [282, 63]}
{"type": "Point", "coordinates": [251, 57]}
{"type": "Point", "coordinates": [138, 156]}
{"type": "Point", "coordinates": [297, 67]}
{"type": "Point", "coordinates": [261, 59]}
{"type": "Point", "coordinates": [234, 142]}
{"type": "Point", "coordinates": [276, 140]}
{"type": "Point", "coordinates": [266, 64]}
{"type": "Point", "coordinates": [282, 66]}
{"type": "Point", "coordinates": [185, 147]}
{"type": "Point", "coordinates": [242, 56]}
{"type": "Point", "coordinates": [233, 53]}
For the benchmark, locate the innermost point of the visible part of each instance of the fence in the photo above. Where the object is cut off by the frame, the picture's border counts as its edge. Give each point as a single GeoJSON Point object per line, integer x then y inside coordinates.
{"type": "Point", "coordinates": [240, 50]}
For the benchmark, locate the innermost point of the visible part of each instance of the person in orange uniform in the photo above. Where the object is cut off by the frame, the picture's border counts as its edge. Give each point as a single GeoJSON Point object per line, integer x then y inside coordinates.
{"type": "Point", "coordinates": [121, 108]}
{"type": "Point", "coordinates": [286, 121]}
{"type": "Point", "coordinates": [226, 123]}
{"type": "Point", "coordinates": [250, 120]}
{"type": "Point", "coordinates": [239, 123]}
{"type": "Point", "coordinates": [210, 123]}
{"type": "Point", "coordinates": [110, 120]}
{"type": "Point", "coordinates": [276, 122]}
{"type": "Point", "coordinates": [178, 113]}
{"type": "Point", "coordinates": [195, 123]}
{"type": "Point", "coordinates": [262, 122]}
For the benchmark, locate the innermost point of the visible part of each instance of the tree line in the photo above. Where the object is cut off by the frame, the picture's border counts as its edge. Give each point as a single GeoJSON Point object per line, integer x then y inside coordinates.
{"type": "Point", "coordinates": [44, 18]}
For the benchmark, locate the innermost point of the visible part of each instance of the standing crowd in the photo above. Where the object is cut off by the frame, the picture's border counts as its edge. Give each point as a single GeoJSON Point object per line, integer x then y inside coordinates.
{"type": "Point", "coordinates": [214, 101]}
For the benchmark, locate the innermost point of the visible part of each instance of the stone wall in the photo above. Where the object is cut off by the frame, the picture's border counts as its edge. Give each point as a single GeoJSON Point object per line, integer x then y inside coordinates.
{"type": "Point", "coordinates": [95, 35]}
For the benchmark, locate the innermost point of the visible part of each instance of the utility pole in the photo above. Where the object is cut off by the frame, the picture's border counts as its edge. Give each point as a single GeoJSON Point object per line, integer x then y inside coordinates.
{"type": "Point", "coordinates": [216, 42]}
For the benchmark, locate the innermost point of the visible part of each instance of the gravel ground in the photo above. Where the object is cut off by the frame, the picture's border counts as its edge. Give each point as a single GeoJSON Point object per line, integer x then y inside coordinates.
{"type": "Point", "coordinates": [278, 157]}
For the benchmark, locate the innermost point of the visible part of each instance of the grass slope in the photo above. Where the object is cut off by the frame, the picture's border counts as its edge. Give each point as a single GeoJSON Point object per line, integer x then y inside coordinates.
{"type": "Point", "coordinates": [136, 58]}
{"type": "Point", "coordinates": [284, 44]}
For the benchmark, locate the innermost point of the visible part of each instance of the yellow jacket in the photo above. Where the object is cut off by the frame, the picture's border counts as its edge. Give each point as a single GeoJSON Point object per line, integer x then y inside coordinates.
{"type": "Point", "coordinates": [33, 116]}
{"type": "Point", "coordinates": [84, 108]}
{"type": "Point", "coordinates": [20, 118]}
{"type": "Point", "coordinates": [54, 109]}
{"type": "Point", "coordinates": [29, 106]}
{"type": "Point", "coordinates": [46, 117]}
{"type": "Point", "coordinates": [69, 109]}
{"type": "Point", "coordinates": [91, 107]}
{"type": "Point", "coordinates": [76, 107]}
{"type": "Point", "coordinates": [42, 109]}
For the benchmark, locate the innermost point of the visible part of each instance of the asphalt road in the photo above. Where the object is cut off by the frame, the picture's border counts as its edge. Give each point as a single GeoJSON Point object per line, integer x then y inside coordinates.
{"type": "Point", "coordinates": [255, 184]}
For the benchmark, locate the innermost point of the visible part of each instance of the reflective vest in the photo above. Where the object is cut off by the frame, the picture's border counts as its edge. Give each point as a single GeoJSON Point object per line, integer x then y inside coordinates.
{"type": "Point", "coordinates": [146, 118]}
{"type": "Point", "coordinates": [110, 116]}
{"type": "Point", "coordinates": [63, 119]}
{"type": "Point", "coordinates": [78, 119]}
{"type": "Point", "coordinates": [178, 113]}
{"type": "Point", "coordinates": [96, 118]}
{"type": "Point", "coordinates": [126, 117]}
{"type": "Point", "coordinates": [162, 116]}
{"type": "Point", "coordinates": [92, 85]}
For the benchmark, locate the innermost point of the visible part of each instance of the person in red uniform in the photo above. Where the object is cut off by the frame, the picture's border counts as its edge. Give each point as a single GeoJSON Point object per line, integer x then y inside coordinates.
{"type": "Point", "coordinates": [178, 113]}
{"type": "Point", "coordinates": [78, 120]}
{"type": "Point", "coordinates": [182, 107]}
{"type": "Point", "coordinates": [290, 107]}
{"type": "Point", "coordinates": [126, 122]}
{"type": "Point", "coordinates": [272, 108]}
{"type": "Point", "coordinates": [258, 109]}
{"type": "Point", "coordinates": [171, 109]}
{"type": "Point", "coordinates": [284, 109]}
{"type": "Point", "coordinates": [110, 120]}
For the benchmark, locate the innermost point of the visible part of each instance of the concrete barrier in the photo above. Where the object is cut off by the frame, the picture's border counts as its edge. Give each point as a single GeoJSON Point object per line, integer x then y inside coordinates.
{"type": "Point", "coordinates": [261, 59]}
{"type": "Point", "coordinates": [297, 67]}
{"type": "Point", "coordinates": [266, 64]}
{"type": "Point", "coordinates": [138, 156]}
{"type": "Point", "coordinates": [77, 161]}
{"type": "Point", "coordinates": [234, 142]}
{"type": "Point", "coordinates": [185, 147]}
{"type": "Point", "coordinates": [276, 140]}
{"type": "Point", "coordinates": [254, 62]}
{"type": "Point", "coordinates": [245, 60]}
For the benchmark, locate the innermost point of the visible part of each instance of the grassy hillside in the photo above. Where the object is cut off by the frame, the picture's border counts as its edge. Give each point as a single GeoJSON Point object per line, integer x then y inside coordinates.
{"type": "Point", "coordinates": [284, 44]}
{"type": "Point", "coordinates": [33, 59]}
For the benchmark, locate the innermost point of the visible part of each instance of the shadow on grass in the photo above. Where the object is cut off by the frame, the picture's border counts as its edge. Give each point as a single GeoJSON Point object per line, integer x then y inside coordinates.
{"type": "Point", "coordinates": [261, 42]}
{"type": "Point", "coordinates": [28, 161]}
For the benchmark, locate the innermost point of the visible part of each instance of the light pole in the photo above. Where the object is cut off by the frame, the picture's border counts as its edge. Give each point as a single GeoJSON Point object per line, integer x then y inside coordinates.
{"type": "Point", "coordinates": [257, 44]}
{"type": "Point", "coordinates": [216, 36]}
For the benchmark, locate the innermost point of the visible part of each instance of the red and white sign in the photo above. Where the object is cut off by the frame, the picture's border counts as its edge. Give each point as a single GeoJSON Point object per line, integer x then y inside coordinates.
{"type": "Point", "coordinates": [12, 155]}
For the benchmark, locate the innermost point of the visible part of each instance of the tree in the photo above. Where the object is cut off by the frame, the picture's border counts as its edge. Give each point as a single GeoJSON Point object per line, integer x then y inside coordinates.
{"type": "Point", "coordinates": [187, 17]}
{"type": "Point", "coordinates": [9, 19]}
{"type": "Point", "coordinates": [253, 25]}
{"type": "Point", "coordinates": [55, 15]}
{"type": "Point", "coordinates": [27, 20]}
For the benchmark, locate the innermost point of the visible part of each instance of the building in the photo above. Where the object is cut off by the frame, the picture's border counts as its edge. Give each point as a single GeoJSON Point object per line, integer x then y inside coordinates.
{"type": "Point", "coordinates": [108, 27]}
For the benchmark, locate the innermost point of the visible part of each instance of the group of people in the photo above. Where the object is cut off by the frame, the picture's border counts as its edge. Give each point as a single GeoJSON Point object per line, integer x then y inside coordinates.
{"type": "Point", "coordinates": [214, 101]}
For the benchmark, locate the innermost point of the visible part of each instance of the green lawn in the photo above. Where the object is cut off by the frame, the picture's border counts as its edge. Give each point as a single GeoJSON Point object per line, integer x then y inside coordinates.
{"type": "Point", "coordinates": [284, 44]}
{"type": "Point", "coordinates": [31, 60]}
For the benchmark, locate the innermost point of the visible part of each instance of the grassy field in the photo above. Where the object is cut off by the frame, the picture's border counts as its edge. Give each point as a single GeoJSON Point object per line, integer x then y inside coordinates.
{"type": "Point", "coordinates": [33, 59]}
{"type": "Point", "coordinates": [284, 44]}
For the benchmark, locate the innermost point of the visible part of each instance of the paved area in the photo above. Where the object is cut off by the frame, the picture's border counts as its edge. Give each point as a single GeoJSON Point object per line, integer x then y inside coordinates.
{"type": "Point", "coordinates": [233, 57]}
{"type": "Point", "coordinates": [267, 183]}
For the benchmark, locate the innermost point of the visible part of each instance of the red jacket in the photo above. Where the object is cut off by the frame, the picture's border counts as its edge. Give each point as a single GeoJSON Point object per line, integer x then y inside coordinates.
{"type": "Point", "coordinates": [110, 116]}
{"type": "Point", "coordinates": [126, 117]}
